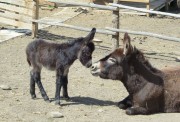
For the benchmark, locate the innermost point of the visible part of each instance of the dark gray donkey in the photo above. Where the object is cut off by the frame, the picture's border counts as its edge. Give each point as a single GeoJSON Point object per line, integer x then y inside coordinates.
{"type": "Point", "coordinates": [57, 57]}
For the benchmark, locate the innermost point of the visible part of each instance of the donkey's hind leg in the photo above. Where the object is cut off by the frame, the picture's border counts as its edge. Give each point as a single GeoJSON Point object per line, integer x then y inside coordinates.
{"type": "Point", "coordinates": [32, 86]}
{"type": "Point", "coordinates": [137, 110]}
{"type": "Point", "coordinates": [65, 89]}
{"type": "Point", "coordinates": [37, 79]}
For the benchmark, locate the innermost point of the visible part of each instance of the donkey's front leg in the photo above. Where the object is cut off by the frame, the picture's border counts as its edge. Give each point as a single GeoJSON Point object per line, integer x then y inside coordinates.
{"type": "Point", "coordinates": [125, 103]}
{"type": "Point", "coordinates": [137, 110]}
{"type": "Point", "coordinates": [65, 89]}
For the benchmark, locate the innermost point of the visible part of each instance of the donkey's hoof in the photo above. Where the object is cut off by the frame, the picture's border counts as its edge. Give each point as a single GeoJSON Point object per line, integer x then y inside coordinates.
{"type": "Point", "coordinates": [33, 96]}
{"type": "Point", "coordinates": [67, 98]}
{"type": "Point", "coordinates": [122, 106]}
{"type": "Point", "coordinates": [46, 99]}
{"type": "Point", "coordinates": [57, 102]}
{"type": "Point", "coordinates": [130, 111]}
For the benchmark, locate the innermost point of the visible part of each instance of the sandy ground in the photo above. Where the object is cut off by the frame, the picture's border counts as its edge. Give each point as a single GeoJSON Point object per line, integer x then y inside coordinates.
{"type": "Point", "coordinates": [92, 98]}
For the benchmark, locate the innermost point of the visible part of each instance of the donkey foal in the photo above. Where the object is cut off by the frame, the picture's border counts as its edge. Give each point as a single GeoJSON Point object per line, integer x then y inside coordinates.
{"type": "Point", "coordinates": [58, 57]}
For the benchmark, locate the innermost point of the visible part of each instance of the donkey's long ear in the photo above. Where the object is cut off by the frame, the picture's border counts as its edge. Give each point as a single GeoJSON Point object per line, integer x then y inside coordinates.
{"type": "Point", "coordinates": [90, 36]}
{"type": "Point", "coordinates": [127, 44]}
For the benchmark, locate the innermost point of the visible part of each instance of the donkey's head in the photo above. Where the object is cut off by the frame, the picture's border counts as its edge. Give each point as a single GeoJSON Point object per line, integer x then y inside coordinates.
{"type": "Point", "coordinates": [85, 53]}
{"type": "Point", "coordinates": [114, 65]}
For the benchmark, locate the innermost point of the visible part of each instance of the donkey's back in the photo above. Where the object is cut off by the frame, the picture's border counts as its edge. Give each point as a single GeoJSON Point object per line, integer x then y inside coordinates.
{"type": "Point", "coordinates": [40, 52]}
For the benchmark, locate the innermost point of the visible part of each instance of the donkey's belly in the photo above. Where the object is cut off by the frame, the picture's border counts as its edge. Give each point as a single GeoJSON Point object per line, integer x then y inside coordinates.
{"type": "Point", "coordinates": [49, 67]}
{"type": "Point", "coordinates": [172, 94]}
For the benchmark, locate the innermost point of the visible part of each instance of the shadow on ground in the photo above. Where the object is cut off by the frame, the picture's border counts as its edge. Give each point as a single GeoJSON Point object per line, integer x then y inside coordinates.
{"type": "Point", "coordinates": [43, 34]}
{"type": "Point", "coordinates": [88, 101]}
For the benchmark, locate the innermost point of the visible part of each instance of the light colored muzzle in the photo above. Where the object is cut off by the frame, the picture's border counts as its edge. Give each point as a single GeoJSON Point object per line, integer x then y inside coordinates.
{"type": "Point", "coordinates": [95, 69]}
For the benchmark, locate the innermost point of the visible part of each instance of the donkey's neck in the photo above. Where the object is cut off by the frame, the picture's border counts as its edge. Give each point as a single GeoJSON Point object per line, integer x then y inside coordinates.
{"type": "Point", "coordinates": [139, 75]}
{"type": "Point", "coordinates": [147, 72]}
{"type": "Point", "coordinates": [73, 50]}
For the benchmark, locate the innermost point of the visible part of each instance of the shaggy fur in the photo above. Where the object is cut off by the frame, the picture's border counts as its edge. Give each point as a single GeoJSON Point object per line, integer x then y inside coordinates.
{"type": "Point", "coordinates": [150, 90]}
{"type": "Point", "coordinates": [58, 57]}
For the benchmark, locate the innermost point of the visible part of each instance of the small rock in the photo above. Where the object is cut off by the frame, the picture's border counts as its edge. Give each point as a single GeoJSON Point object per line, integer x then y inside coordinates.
{"type": "Point", "coordinates": [56, 115]}
{"type": "Point", "coordinates": [5, 87]}
{"type": "Point", "coordinates": [100, 110]}
{"type": "Point", "coordinates": [37, 112]}
{"type": "Point", "coordinates": [145, 37]}
{"type": "Point", "coordinates": [178, 59]}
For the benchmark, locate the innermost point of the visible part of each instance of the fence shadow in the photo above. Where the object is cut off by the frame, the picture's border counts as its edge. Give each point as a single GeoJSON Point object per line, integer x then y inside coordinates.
{"type": "Point", "coordinates": [43, 34]}
{"type": "Point", "coordinates": [162, 56]}
{"type": "Point", "coordinates": [88, 101]}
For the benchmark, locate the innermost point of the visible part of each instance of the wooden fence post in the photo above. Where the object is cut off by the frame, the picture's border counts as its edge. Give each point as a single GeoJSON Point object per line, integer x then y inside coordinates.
{"type": "Point", "coordinates": [148, 8]}
{"type": "Point", "coordinates": [35, 16]}
{"type": "Point", "coordinates": [115, 21]}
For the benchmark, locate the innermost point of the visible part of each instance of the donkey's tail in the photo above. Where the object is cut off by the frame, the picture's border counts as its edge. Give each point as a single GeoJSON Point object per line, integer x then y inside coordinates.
{"type": "Point", "coordinates": [28, 62]}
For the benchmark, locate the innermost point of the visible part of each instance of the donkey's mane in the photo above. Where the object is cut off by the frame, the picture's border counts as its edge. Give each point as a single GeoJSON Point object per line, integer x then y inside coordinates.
{"type": "Point", "coordinates": [145, 62]}
{"type": "Point", "coordinates": [71, 42]}
{"type": "Point", "coordinates": [149, 72]}
{"type": "Point", "coordinates": [68, 43]}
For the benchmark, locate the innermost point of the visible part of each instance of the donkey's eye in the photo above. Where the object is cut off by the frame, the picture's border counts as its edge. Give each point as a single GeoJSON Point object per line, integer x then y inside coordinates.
{"type": "Point", "coordinates": [88, 54]}
{"type": "Point", "coordinates": [112, 60]}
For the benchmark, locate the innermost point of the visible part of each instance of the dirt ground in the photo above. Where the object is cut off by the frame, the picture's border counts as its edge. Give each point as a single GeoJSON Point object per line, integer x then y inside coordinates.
{"type": "Point", "coordinates": [92, 99]}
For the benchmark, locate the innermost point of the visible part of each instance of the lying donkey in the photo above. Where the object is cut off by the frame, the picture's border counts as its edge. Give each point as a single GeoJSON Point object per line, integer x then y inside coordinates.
{"type": "Point", "coordinates": [58, 57]}
{"type": "Point", "coordinates": [150, 90]}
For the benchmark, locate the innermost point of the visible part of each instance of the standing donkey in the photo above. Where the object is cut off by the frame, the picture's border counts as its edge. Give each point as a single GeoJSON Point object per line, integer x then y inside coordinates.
{"type": "Point", "coordinates": [150, 90]}
{"type": "Point", "coordinates": [58, 57]}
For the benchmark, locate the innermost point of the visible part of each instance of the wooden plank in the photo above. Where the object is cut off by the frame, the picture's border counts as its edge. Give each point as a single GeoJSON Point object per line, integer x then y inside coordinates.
{"type": "Point", "coordinates": [15, 23]}
{"type": "Point", "coordinates": [16, 9]}
{"type": "Point", "coordinates": [25, 3]}
{"type": "Point", "coordinates": [86, 5]}
{"type": "Point", "coordinates": [139, 1]}
{"type": "Point", "coordinates": [10, 15]}
{"type": "Point", "coordinates": [147, 11]}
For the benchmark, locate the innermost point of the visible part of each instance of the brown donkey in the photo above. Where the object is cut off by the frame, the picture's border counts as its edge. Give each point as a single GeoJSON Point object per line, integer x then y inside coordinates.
{"type": "Point", "coordinates": [58, 57]}
{"type": "Point", "coordinates": [150, 90]}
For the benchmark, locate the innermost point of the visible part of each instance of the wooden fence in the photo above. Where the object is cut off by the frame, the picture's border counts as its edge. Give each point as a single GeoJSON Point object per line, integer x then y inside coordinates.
{"type": "Point", "coordinates": [24, 14]}
{"type": "Point", "coordinates": [115, 19]}
{"type": "Point", "coordinates": [19, 13]}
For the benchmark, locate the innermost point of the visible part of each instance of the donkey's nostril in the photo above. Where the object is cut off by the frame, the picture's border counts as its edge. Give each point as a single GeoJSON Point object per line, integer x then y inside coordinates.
{"type": "Point", "coordinates": [93, 67]}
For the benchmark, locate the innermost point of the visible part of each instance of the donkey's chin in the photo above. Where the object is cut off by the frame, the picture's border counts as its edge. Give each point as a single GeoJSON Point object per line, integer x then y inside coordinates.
{"type": "Point", "coordinates": [94, 73]}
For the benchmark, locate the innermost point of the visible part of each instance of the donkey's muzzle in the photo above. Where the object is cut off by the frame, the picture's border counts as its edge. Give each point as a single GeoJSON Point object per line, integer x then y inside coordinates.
{"type": "Point", "coordinates": [89, 64]}
{"type": "Point", "coordinates": [95, 69]}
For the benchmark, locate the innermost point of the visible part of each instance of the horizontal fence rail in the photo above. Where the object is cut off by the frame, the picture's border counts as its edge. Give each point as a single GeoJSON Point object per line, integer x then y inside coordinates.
{"type": "Point", "coordinates": [18, 9]}
{"type": "Point", "coordinates": [24, 3]}
{"type": "Point", "coordinates": [144, 10]}
{"type": "Point", "coordinates": [104, 7]}
{"type": "Point", "coordinates": [145, 33]}
{"type": "Point", "coordinates": [75, 27]}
